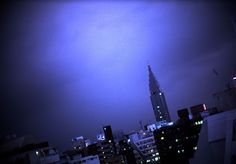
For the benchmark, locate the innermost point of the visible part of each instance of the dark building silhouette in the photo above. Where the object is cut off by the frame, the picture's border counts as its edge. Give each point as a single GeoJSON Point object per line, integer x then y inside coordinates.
{"type": "Point", "coordinates": [127, 151]}
{"type": "Point", "coordinates": [108, 133]}
{"type": "Point", "coordinates": [196, 110]}
{"type": "Point", "coordinates": [177, 143]}
{"type": "Point", "coordinates": [157, 99]}
{"type": "Point", "coordinates": [183, 114]}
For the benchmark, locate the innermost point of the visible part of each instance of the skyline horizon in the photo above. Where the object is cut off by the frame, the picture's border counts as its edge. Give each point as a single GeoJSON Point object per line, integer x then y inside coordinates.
{"type": "Point", "coordinates": [71, 67]}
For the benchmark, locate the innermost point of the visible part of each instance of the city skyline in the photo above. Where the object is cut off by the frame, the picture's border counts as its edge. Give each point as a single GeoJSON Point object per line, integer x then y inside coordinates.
{"type": "Point", "coordinates": [70, 68]}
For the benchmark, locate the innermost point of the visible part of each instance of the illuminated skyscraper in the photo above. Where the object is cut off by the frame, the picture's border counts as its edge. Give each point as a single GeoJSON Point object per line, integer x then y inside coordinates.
{"type": "Point", "coordinates": [158, 99]}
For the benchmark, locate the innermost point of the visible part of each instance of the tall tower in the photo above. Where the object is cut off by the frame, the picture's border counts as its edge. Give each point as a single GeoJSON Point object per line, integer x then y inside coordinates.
{"type": "Point", "coordinates": [158, 99]}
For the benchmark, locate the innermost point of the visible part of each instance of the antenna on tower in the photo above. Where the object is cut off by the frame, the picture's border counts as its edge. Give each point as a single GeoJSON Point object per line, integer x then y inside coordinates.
{"type": "Point", "coordinates": [215, 72]}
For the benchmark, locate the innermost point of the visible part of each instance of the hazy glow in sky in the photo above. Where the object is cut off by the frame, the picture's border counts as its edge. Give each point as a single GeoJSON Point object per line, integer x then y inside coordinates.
{"type": "Point", "coordinates": [79, 66]}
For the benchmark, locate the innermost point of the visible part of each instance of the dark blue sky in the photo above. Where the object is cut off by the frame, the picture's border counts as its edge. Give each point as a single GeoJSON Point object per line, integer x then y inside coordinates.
{"type": "Point", "coordinates": [68, 68]}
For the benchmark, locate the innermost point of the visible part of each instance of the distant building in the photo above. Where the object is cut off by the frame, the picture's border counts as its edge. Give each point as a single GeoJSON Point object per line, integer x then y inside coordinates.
{"type": "Point", "coordinates": [48, 155]}
{"type": "Point", "coordinates": [108, 133]}
{"type": "Point", "coordinates": [25, 150]}
{"type": "Point", "coordinates": [106, 148]}
{"type": "Point", "coordinates": [127, 151]}
{"type": "Point", "coordinates": [143, 142]}
{"type": "Point", "coordinates": [78, 143]}
{"type": "Point", "coordinates": [101, 137]}
{"type": "Point", "coordinates": [183, 114]}
{"type": "Point", "coordinates": [85, 160]}
{"type": "Point", "coordinates": [196, 110]}
{"type": "Point", "coordinates": [157, 99]}
{"type": "Point", "coordinates": [225, 100]}
{"type": "Point", "coordinates": [217, 141]}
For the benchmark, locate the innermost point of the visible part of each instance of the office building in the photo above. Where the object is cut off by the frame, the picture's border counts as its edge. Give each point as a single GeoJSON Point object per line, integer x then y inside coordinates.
{"type": "Point", "coordinates": [157, 99]}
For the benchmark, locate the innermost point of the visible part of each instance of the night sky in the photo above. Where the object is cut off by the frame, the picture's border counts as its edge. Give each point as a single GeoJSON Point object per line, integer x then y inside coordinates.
{"type": "Point", "coordinates": [69, 68]}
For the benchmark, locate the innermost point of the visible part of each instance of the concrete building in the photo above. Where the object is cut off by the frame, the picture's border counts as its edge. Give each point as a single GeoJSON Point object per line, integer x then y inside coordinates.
{"type": "Point", "coordinates": [144, 143]}
{"type": "Point", "coordinates": [217, 141]}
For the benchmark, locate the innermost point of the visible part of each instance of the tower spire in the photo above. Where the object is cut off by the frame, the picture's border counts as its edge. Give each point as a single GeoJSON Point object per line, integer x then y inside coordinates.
{"type": "Point", "coordinates": [153, 83]}
{"type": "Point", "coordinates": [157, 99]}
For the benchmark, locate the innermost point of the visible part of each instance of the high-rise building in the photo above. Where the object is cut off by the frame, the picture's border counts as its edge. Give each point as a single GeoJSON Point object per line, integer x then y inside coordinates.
{"type": "Point", "coordinates": [157, 99]}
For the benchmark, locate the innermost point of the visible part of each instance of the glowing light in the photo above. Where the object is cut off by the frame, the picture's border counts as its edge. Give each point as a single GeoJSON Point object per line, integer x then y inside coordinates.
{"type": "Point", "coordinates": [170, 123]}
{"type": "Point", "coordinates": [176, 140]}
{"type": "Point", "coordinates": [37, 153]}
{"type": "Point", "coordinates": [160, 93]}
{"type": "Point", "coordinates": [198, 122]}
{"type": "Point", "coordinates": [195, 148]}
{"type": "Point", "coordinates": [158, 106]}
{"type": "Point", "coordinates": [234, 78]}
{"type": "Point", "coordinates": [162, 138]}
